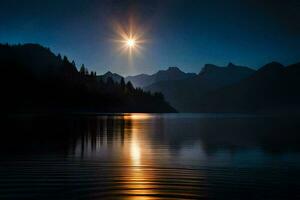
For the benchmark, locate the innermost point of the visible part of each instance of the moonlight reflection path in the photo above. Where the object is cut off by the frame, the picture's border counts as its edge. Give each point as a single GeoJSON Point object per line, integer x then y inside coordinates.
{"type": "Point", "coordinates": [136, 168]}
{"type": "Point", "coordinates": [143, 156]}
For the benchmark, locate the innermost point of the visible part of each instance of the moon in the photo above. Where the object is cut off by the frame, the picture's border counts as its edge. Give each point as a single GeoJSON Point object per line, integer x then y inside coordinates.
{"type": "Point", "coordinates": [130, 39]}
{"type": "Point", "coordinates": [130, 43]}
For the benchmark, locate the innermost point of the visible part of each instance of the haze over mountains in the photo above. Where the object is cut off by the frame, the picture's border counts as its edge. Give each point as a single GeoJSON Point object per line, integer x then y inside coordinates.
{"type": "Point", "coordinates": [231, 88]}
{"type": "Point", "coordinates": [35, 78]}
{"type": "Point", "coordinates": [272, 88]}
{"type": "Point", "coordinates": [172, 73]}
{"type": "Point", "coordinates": [185, 94]}
{"type": "Point", "coordinates": [114, 76]}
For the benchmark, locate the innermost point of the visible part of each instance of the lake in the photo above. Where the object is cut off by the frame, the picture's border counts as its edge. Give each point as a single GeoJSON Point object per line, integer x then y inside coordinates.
{"type": "Point", "coordinates": [150, 156]}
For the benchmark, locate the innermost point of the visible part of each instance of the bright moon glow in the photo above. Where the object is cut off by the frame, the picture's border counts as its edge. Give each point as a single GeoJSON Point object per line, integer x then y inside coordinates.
{"type": "Point", "coordinates": [130, 38]}
{"type": "Point", "coordinates": [130, 43]}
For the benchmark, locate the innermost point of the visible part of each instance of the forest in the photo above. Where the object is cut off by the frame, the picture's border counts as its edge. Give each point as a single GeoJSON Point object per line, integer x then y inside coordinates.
{"type": "Point", "coordinates": [34, 79]}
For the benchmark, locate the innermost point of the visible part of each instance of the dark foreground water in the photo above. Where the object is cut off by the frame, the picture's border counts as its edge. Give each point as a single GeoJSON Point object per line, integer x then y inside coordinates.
{"type": "Point", "coordinates": [145, 156]}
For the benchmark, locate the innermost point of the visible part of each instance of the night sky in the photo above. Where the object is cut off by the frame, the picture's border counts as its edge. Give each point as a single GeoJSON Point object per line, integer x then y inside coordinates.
{"type": "Point", "coordinates": [186, 34]}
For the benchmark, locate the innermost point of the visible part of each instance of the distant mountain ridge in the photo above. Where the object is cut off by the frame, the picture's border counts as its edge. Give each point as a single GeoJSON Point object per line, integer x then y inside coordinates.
{"type": "Point", "coordinates": [184, 94]}
{"type": "Point", "coordinates": [172, 73]}
{"type": "Point", "coordinates": [230, 88]}
{"type": "Point", "coordinates": [34, 78]}
{"type": "Point", "coordinates": [114, 76]}
{"type": "Point", "coordinates": [273, 87]}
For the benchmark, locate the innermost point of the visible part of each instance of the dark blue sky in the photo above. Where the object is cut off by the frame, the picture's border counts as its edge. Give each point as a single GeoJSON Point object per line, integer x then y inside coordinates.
{"type": "Point", "coordinates": [186, 34]}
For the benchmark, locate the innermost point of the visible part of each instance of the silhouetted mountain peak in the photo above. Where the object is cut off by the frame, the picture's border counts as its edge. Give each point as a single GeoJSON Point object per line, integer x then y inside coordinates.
{"type": "Point", "coordinates": [108, 73]}
{"type": "Point", "coordinates": [231, 65]}
{"type": "Point", "coordinates": [174, 69]}
{"type": "Point", "coordinates": [208, 68]}
{"type": "Point", "coordinates": [116, 77]}
{"type": "Point", "coordinates": [170, 70]}
{"type": "Point", "coordinates": [272, 65]}
{"type": "Point", "coordinates": [211, 68]}
{"type": "Point", "coordinates": [172, 73]}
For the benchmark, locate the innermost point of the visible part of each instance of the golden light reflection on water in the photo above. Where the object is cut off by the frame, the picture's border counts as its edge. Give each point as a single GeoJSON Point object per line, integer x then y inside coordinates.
{"type": "Point", "coordinates": [138, 116]}
{"type": "Point", "coordinates": [135, 152]}
{"type": "Point", "coordinates": [136, 140]}
{"type": "Point", "coordinates": [138, 179]}
{"type": "Point", "coordinates": [137, 157]}
{"type": "Point", "coordinates": [126, 142]}
{"type": "Point", "coordinates": [125, 138]}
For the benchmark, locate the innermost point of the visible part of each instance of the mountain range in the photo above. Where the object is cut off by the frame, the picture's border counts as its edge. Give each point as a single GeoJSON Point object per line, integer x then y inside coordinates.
{"type": "Point", "coordinates": [271, 88]}
{"type": "Point", "coordinates": [231, 88]}
{"type": "Point", "coordinates": [172, 73]}
{"type": "Point", "coordinates": [185, 94]}
{"type": "Point", "coordinates": [114, 76]}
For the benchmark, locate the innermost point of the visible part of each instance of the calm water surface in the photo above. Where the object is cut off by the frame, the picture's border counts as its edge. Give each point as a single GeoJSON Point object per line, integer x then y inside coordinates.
{"type": "Point", "coordinates": [150, 156]}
